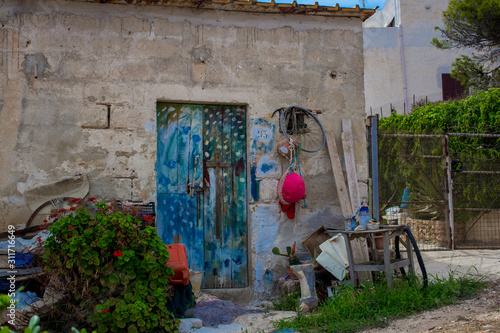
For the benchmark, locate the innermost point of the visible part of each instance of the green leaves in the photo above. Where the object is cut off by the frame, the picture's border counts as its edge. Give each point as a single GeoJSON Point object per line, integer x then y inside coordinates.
{"type": "Point", "coordinates": [473, 24]}
{"type": "Point", "coordinates": [116, 266]}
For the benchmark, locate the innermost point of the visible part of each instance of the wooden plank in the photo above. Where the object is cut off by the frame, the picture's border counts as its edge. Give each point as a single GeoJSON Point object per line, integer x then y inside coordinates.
{"type": "Point", "coordinates": [359, 248]}
{"type": "Point", "coordinates": [226, 194]}
{"type": "Point", "coordinates": [196, 199]}
{"type": "Point", "coordinates": [183, 149]}
{"type": "Point", "coordinates": [167, 147]}
{"type": "Point", "coordinates": [360, 254]}
{"type": "Point", "coordinates": [387, 260]}
{"type": "Point", "coordinates": [212, 267]}
{"type": "Point", "coordinates": [213, 206]}
{"type": "Point", "coordinates": [345, 202]}
{"type": "Point", "coordinates": [197, 145]}
{"type": "Point", "coordinates": [238, 204]}
{"type": "Point", "coordinates": [350, 166]}
{"type": "Point", "coordinates": [371, 267]}
{"type": "Point", "coordinates": [346, 125]}
{"type": "Point", "coordinates": [350, 256]}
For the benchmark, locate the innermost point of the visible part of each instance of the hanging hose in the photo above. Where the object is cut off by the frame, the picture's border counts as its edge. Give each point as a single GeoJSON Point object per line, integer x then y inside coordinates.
{"type": "Point", "coordinates": [425, 280]}
{"type": "Point", "coordinates": [398, 254]}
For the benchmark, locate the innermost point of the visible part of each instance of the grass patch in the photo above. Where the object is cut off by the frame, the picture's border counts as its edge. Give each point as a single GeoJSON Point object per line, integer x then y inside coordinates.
{"type": "Point", "coordinates": [289, 302]}
{"type": "Point", "coordinates": [352, 310]}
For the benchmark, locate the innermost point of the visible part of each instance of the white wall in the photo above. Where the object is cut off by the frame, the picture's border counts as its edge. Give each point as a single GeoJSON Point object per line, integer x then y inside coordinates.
{"type": "Point", "coordinates": [423, 63]}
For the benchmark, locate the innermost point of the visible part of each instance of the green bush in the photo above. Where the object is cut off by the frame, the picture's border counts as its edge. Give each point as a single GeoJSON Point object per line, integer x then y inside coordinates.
{"type": "Point", "coordinates": [113, 270]}
{"type": "Point", "coordinates": [479, 113]}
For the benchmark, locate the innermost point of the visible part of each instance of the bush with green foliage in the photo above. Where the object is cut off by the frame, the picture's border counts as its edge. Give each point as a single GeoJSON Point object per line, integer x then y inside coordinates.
{"type": "Point", "coordinates": [113, 271]}
{"type": "Point", "coordinates": [479, 113]}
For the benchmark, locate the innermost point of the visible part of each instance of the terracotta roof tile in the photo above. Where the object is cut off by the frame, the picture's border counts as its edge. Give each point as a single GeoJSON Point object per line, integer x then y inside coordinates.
{"type": "Point", "coordinates": [255, 6]}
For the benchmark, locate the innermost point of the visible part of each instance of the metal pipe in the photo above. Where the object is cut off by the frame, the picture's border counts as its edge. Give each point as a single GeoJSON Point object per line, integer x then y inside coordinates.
{"type": "Point", "coordinates": [405, 88]}
{"type": "Point", "coordinates": [449, 189]}
{"type": "Point", "coordinates": [411, 136]}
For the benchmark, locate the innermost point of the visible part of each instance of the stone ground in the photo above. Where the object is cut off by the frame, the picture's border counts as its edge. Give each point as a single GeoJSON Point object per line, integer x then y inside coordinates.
{"type": "Point", "coordinates": [480, 314]}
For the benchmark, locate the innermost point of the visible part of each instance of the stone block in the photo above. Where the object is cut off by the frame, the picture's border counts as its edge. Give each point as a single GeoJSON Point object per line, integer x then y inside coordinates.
{"type": "Point", "coordinates": [189, 324]}
{"type": "Point", "coordinates": [95, 116]}
{"type": "Point", "coordinates": [126, 116]}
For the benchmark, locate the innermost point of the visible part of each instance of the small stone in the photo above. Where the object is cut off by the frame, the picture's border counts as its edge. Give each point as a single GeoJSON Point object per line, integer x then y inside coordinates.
{"type": "Point", "coordinates": [188, 324]}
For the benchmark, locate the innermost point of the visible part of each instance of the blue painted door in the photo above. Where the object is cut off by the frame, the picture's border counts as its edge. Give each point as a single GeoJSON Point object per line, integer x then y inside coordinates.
{"type": "Point", "coordinates": [201, 184]}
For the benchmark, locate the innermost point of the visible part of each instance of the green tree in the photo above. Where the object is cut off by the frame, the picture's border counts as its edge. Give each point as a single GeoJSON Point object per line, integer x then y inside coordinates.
{"type": "Point", "coordinates": [473, 24]}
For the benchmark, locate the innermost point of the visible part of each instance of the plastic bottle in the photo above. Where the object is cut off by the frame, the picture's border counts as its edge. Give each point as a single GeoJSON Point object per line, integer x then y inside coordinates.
{"type": "Point", "coordinates": [364, 216]}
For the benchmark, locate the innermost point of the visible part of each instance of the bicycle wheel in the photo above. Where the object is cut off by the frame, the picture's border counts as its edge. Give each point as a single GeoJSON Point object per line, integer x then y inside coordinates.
{"type": "Point", "coordinates": [46, 209]}
{"type": "Point", "coordinates": [302, 125]}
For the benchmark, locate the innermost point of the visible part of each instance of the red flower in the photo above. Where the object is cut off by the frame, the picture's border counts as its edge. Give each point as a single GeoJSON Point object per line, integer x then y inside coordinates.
{"type": "Point", "coordinates": [109, 207]}
{"type": "Point", "coordinates": [71, 227]}
{"type": "Point", "coordinates": [105, 310]}
{"type": "Point", "coordinates": [118, 253]}
{"type": "Point", "coordinates": [148, 218]}
{"type": "Point", "coordinates": [45, 221]}
{"type": "Point", "coordinates": [61, 210]}
{"type": "Point", "coordinates": [133, 212]}
{"type": "Point", "coordinates": [71, 208]}
{"type": "Point", "coordinates": [39, 239]}
{"type": "Point", "coordinates": [92, 199]}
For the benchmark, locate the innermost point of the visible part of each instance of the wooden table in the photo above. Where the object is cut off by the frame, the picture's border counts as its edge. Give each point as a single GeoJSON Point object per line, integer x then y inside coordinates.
{"type": "Point", "coordinates": [388, 265]}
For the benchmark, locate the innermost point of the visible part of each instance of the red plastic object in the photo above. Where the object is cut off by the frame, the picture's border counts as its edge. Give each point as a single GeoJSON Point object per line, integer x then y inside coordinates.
{"type": "Point", "coordinates": [179, 263]}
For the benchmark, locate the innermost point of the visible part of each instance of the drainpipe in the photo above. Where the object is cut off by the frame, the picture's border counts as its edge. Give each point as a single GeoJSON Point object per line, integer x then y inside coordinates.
{"type": "Point", "coordinates": [405, 92]}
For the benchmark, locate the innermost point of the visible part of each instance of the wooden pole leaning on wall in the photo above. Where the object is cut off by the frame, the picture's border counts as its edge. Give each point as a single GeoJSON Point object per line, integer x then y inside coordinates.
{"type": "Point", "coordinates": [350, 164]}
{"type": "Point", "coordinates": [345, 202]}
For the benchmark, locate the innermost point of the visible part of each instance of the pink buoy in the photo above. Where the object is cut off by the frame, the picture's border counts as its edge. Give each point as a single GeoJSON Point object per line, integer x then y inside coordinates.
{"type": "Point", "coordinates": [291, 188]}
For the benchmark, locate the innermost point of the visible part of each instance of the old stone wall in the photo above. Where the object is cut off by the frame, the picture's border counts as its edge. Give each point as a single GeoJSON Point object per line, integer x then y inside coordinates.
{"type": "Point", "coordinates": [80, 82]}
{"type": "Point", "coordinates": [429, 234]}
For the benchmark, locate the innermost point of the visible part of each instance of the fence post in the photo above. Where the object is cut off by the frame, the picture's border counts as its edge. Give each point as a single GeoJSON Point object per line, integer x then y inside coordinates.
{"type": "Point", "coordinates": [374, 168]}
{"type": "Point", "coordinates": [449, 190]}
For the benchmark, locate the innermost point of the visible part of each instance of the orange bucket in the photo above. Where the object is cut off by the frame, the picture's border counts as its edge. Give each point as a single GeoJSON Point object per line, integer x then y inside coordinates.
{"type": "Point", "coordinates": [178, 262]}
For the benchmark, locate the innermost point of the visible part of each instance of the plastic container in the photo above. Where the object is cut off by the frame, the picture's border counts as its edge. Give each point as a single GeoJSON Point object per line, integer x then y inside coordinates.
{"type": "Point", "coordinates": [364, 216]}
{"type": "Point", "coordinates": [196, 278]}
{"type": "Point", "coordinates": [350, 224]}
{"type": "Point", "coordinates": [178, 262]}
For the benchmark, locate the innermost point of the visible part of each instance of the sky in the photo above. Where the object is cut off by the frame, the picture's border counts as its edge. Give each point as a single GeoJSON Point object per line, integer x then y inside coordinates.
{"type": "Point", "coordinates": [342, 3]}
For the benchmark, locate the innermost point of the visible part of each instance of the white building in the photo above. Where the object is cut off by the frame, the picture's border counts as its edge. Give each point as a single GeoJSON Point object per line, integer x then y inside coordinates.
{"type": "Point", "coordinates": [401, 66]}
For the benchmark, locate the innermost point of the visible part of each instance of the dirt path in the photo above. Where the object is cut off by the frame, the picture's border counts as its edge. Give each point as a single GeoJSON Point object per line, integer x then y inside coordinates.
{"type": "Point", "coordinates": [480, 314]}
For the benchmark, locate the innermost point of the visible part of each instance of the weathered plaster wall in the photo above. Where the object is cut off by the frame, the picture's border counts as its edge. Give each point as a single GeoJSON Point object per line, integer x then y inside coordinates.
{"type": "Point", "coordinates": [423, 62]}
{"type": "Point", "coordinates": [89, 104]}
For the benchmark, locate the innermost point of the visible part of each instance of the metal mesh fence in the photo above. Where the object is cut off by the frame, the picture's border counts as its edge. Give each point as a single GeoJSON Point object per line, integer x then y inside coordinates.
{"type": "Point", "coordinates": [449, 198]}
{"type": "Point", "coordinates": [412, 183]}
{"type": "Point", "coordinates": [476, 191]}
